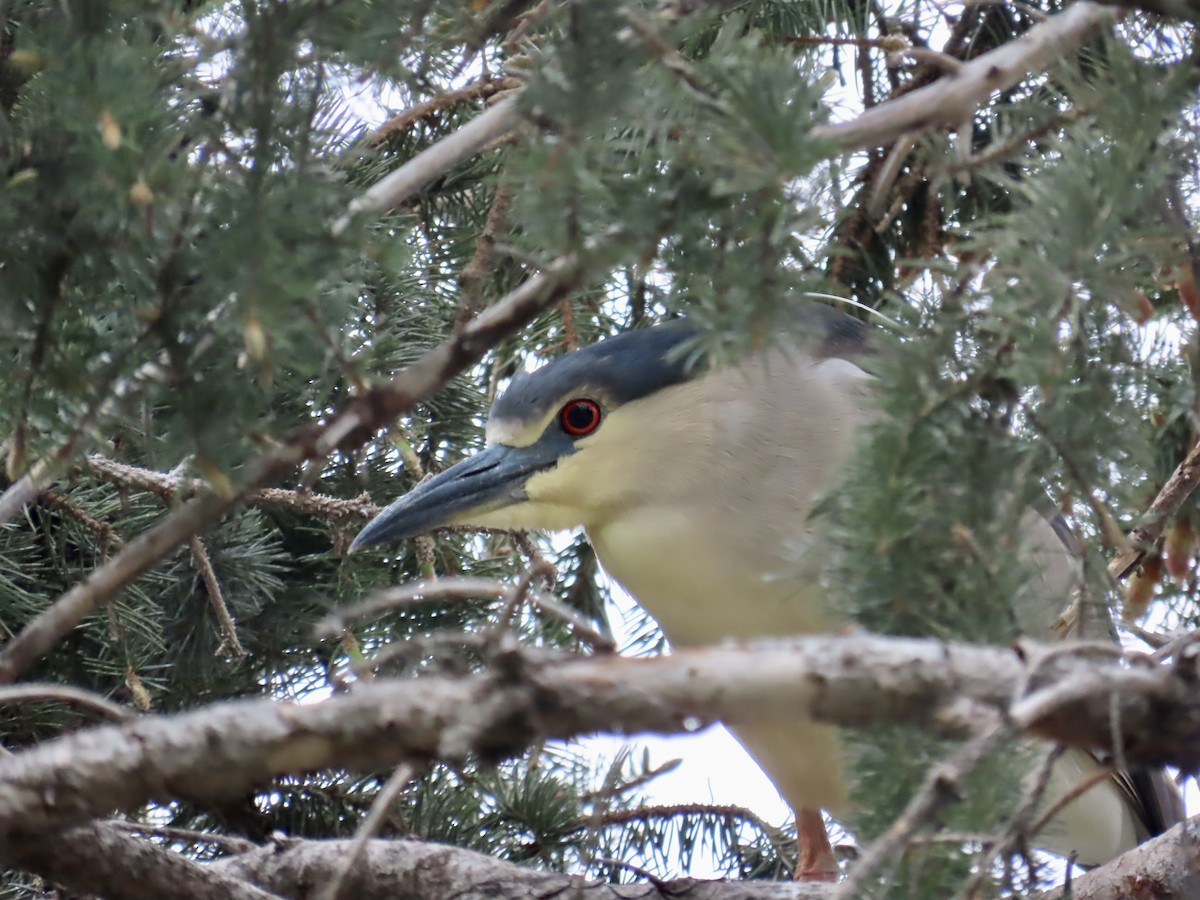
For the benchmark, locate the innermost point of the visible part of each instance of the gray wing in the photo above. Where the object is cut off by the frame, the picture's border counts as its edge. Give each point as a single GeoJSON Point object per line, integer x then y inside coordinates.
{"type": "Point", "coordinates": [1155, 798]}
{"type": "Point", "coordinates": [1151, 794]}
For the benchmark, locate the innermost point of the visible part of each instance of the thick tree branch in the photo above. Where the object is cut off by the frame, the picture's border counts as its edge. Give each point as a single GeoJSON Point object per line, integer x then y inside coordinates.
{"type": "Point", "coordinates": [1074, 696]}
{"type": "Point", "coordinates": [1166, 867]}
{"type": "Point", "coordinates": [432, 162]}
{"type": "Point", "coordinates": [407, 868]}
{"type": "Point", "coordinates": [100, 858]}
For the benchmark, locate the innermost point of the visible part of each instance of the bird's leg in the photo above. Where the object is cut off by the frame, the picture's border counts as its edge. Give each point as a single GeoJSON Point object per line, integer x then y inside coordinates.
{"type": "Point", "coordinates": [816, 861]}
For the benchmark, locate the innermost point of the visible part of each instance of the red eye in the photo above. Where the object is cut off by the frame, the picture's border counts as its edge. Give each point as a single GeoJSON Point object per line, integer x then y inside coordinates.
{"type": "Point", "coordinates": [580, 417]}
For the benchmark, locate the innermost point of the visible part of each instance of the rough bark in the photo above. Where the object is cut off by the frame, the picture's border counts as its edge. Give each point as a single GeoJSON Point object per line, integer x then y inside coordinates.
{"type": "Point", "coordinates": [100, 859]}
{"type": "Point", "coordinates": [1166, 868]}
{"type": "Point", "coordinates": [398, 870]}
{"type": "Point", "coordinates": [1076, 695]}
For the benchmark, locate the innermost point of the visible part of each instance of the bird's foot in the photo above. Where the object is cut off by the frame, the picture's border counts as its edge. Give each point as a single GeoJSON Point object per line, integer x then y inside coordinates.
{"type": "Point", "coordinates": [816, 861]}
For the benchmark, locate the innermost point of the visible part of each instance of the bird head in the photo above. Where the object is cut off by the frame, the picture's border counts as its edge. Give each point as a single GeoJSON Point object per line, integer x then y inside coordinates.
{"type": "Point", "coordinates": [562, 442]}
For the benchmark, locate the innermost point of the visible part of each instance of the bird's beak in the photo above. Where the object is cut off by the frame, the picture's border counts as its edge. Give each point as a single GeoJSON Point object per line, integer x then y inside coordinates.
{"type": "Point", "coordinates": [490, 480]}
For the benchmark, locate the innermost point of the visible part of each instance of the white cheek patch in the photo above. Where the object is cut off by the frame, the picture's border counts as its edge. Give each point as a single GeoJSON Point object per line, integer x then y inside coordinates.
{"type": "Point", "coordinates": [845, 379]}
{"type": "Point", "coordinates": [513, 434]}
{"type": "Point", "coordinates": [838, 369]}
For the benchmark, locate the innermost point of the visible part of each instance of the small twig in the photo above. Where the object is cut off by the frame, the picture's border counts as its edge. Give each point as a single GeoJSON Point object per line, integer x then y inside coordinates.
{"type": "Point", "coordinates": [890, 43]}
{"type": "Point", "coordinates": [570, 333]}
{"type": "Point", "coordinates": [1003, 149]}
{"type": "Point", "coordinates": [467, 588]}
{"type": "Point", "coordinates": [416, 648]}
{"type": "Point", "coordinates": [368, 828]}
{"type": "Point", "coordinates": [1082, 787]}
{"type": "Point", "coordinates": [172, 486]}
{"type": "Point", "coordinates": [952, 838]}
{"type": "Point", "coordinates": [225, 622]}
{"type": "Point", "coordinates": [1175, 643]}
{"type": "Point", "coordinates": [529, 547]}
{"type": "Point", "coordinates": [634, 783]}
{"type": "Point", "coordinates": [515, 598]}
{"type": "Point", "coordinates": [895, 161]}
{"type": "Point", "coordinates": [1030, 708]}
{"type": "Point", "coordinates": [675, 810]}
{"type": "Point", "coordinates": [582, 629]}
{"type": "Point", "coordinates": [479, 267]}
{"type": "Point", "coordinates": [935, 58]}
{"type": "Point", "coordinates": [23, 693]}
{"type": "Point", "coordinates": [644, 874]}
{"type": "Point", "coordinates": [455, 588]}
{"type": "Point", "coordinates": [1017, 829]}
{"type": "Point", "coordinates": [1156, 639]}
{"type": "Point", "coordinates": [1179, 487]}
{"type": "Point", "coordinates": [477, 270]}
{"type": "Point", "coordinates": [485, 87]}
{"type": "Point", "coordinates": [227, 842]}
{"type": "Point", "coordinates": [109, 539]}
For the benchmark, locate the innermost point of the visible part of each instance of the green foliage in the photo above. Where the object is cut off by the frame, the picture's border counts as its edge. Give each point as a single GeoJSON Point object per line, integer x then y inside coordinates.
{"type": "Point", "coordinates": [172, 297]}
{"type": "Point", "coordinates": [1029, 374]}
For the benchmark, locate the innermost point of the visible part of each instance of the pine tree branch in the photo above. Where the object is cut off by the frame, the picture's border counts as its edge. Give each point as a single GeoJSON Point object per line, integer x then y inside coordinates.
{"type": "Point", "coordinates": [353, 426]}
{"type": "Point", "coordinates": [1182, 483]}
{"type": "Point", "coordinates": [170, 486]}
{"type": "Point", "coordinates": [42, 473]}
{"type": "Point", "coordinates": [479, 267]}
{"type": "Point", "coordinates": [1075, 694]}
{"type": "Point", "coordinates": [62, 693]}
{"type": "Point", "coordinates": [432, 162]}
{"type": "Point", "coordinates": [947, 102]}
{"type": "Point", "coordinates": [410, 868]}
{"type": "Point", "coordinates": [100, 858]}
{"type": "Point", "coordinates": [953, 99]}
{"type": "Point", "coordinates": [455, 588]}
{"type": "Point", "coordinates": [485, 87]}
{"type": "Point", "coordinates": [230, 643]}
{"type": "Point", "coordinates": [226, 842]}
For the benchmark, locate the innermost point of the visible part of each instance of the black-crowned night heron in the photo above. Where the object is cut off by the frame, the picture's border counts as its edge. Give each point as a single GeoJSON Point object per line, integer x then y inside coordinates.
{"type": "Point", "coordinates": [695, 487]}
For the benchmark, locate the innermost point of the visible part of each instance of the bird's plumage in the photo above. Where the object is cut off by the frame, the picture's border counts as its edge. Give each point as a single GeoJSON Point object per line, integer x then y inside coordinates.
{"type": "Point", "coordinates": [697, 489]}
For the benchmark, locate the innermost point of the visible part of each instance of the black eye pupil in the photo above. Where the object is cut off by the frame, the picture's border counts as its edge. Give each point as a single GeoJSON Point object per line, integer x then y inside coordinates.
{"type": "Point", "coordinates": [580, 416]}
